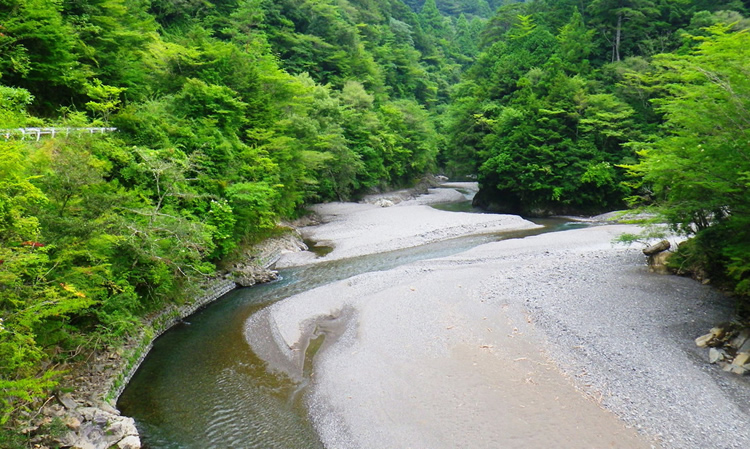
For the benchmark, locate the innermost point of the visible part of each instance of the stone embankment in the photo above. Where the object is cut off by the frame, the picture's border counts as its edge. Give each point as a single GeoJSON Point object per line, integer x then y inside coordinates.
{"type": "Point", "coordinates": [87, 418]}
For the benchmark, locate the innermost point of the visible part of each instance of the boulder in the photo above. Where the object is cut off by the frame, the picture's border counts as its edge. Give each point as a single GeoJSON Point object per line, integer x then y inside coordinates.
{"type": "Point", "coordinates": [247, 275]}
{"type": "Point", "coordinates": [657, 263]}
{"type": "Point", "coordinates": [383, 202]}
{"type": "Point", "coordinates": [100, 429]}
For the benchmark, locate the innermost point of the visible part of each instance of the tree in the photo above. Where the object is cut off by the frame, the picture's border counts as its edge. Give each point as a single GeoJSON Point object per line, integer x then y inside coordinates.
{"type": "Point", "coordinates": [37, 50]}
{"type": "Point", "coordinates": [620, 20]}
{"type": "Point", "coordinates": [698, 170]}
{"type": "Point", "coordinates": [106, 99]}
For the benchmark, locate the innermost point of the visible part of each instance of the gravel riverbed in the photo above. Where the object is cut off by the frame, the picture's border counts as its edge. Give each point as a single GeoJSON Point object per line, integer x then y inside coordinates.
{"type": "Point", "coordinates": [558, 340]}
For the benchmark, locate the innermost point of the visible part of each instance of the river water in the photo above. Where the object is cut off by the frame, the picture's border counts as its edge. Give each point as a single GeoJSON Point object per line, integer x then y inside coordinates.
{"type": "Point", "coordinates": [202, 387]}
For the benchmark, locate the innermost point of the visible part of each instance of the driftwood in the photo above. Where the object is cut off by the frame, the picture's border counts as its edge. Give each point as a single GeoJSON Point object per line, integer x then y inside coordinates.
{"type": "Point", "coordinates": [656, 248]}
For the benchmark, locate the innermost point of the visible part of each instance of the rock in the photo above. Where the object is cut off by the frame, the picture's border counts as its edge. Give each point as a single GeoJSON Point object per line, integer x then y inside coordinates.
{"type": "Point", "coordinates": [108, 408]}
{"type": "Point", "coordinates": [656, 248]}
{"type": "Point", "coordinates": [745, 346]}
{"type": "Point", "coordinates": [716, 355]}
{"type": "Point", "coordinates": [131, 442]}
{"type": "Point", "coordinates": [704, 340]}
{"type": "Point", "coordinates": [88, 412]}
{"type": "Point", "coordinates": [67, 401]}
{"type": "Point", "coordinates": [711, 338]}
{"type": "Point", "coordinates": [100, 429]}
{"type": "Point", "coordinates": [120, 428]}
{"type": "Point", "coordinates": [382, 202]}
{"type": "Point", "coordinates": [740, 364]}
{"type": "Point", "coordinates": [101, 419]}
{"type": "Point", "coordinates": [249, 275]}
{"type": "Point", "coordinates": [718, 332]}
{"type": "Point", "coordinates": [84, 444]}
{"type": "Point", "coordinates": [68, 440]}
{"type": "Point", "coordinates": [742, 340]}
{"type": "Point", "coordinates": [657, 263]}
{"type": "Point", "coordinates": [741, 359]}
{"type": "Point", "coordinates": [73, 423]}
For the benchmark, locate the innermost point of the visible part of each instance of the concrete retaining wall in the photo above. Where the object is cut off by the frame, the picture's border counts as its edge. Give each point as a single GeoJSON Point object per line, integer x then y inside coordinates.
{"type": "Point", "coordinates": [160, 324]}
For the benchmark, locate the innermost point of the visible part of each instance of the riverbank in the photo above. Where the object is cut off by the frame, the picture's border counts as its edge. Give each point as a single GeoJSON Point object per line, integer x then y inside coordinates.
{"type": "Point", "coordinates": [396, 220]}
{"type": "Point", "coordinates": [86, 417]}
{"type": "Point", "coordinates": [558, 340]}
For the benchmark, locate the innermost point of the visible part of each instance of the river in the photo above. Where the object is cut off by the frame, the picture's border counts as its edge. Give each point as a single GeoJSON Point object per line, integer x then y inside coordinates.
{"type": "Point", "coordinates": [201, 385]}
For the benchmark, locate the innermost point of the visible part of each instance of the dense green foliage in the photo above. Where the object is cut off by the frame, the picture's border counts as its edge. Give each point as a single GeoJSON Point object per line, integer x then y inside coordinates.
{"type": "Point", "coordinates": [545, 116]}
{"type": "Point", "coordinates": [698, 168]}
{"type": "Point", "coordinates": [235, 113]}
{"type": "Point", "coordinates": [583, 107]}
{"type": "Point", "coordinates": [230, 115]}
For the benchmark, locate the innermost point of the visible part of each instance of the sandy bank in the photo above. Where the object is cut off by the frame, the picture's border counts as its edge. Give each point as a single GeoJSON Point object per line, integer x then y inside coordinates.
{"type": "Point", "coordinates": [433, 356]}
{"type": "Point", "coordinates": [560, 340]}
{"type": "Point", "coordinates": [356, 229]}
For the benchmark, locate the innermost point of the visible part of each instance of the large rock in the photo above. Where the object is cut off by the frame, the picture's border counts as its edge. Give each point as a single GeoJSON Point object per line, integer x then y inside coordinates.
{"type": "Point", "coordinates": [658, 263]}
{"type": "Point", "coordinates": [247, 275]}
{"type": "Point", "coordinates": [100, 429]}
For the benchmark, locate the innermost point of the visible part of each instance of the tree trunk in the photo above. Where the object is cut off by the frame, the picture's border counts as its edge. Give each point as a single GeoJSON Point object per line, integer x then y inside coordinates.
{"type": "Point", "coordinates": [618, 36]}
{"type": "Point", "coordinates": [656, 248]}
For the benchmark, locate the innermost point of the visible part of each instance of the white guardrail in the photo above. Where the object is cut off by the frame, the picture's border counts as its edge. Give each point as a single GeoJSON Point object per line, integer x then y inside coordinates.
{"type": "Point", "coordinates": [37, 133]}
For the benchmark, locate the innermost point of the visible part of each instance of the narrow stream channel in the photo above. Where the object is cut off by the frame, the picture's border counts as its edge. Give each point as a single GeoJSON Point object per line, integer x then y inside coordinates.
{"type": "Point", "coordinates": [202, 387]}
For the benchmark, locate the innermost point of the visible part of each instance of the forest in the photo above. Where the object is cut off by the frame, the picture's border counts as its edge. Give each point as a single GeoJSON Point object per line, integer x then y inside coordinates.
{"type": "Point", "coordinates": [234, 114]}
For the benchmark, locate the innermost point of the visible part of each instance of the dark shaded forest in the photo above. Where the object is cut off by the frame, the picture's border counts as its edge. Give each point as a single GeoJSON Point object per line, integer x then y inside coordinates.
{"type": "Point", "coordinates": [234, 114]}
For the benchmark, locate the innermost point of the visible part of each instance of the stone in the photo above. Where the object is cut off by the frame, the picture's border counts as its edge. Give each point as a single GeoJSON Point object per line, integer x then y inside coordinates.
{"type": "Point", "coordinates": [130, 442]}
{"type": "Point", "coordinates": [718, 332]}
{"type": "Point", "coordinates": [716, 355]}
{"type": "Point", "coordinates": [741, 359]}
{"type": "Point", "coordinates": [704, 340]}
{"type": "Point", "coordinates": [710, 338]}
{"type": "Point", "coordinates": [741, 340]}
{"type": "Point", "coordinates": [108, 408]}
{"type": "Point", "coordinates": [83, 444]}
{"type": "Point", "coordinates": [657, 263]}
{"type": "Point", "coordinates": [247, 275]}
{"type": "Point", "coordinates": [101, 419]}
{"type": "Point", "coordinates": [67, 401]}
{"type": "Point", "coordinates": [740, 365]}
{"type": "Point", "coordinates": [745, 346]}
{"type": "Point", "coordinates": [88, 412]}
{"type": "Point", "coordinates": [73, 423]}
{"type": "Point", "coordinates": [67, 440]}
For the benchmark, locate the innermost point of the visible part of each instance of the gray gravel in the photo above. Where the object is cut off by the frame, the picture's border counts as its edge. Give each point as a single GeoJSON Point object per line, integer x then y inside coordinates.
{"type": "Point", "coordinates": [625, 337]}
{"type": "Point", "coordinates": [423, 341]}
